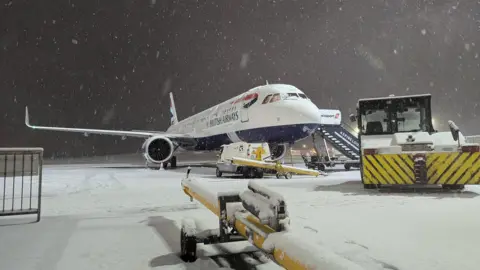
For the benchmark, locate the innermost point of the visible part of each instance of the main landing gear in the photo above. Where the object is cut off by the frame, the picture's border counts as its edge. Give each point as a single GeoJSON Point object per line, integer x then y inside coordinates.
{"type": "Point", "coordinates": [164, 165]}
{"type": "Point", "coordinates": [172, 161]}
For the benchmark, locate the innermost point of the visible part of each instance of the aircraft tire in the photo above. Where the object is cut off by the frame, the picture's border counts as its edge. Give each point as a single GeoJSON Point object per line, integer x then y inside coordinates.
{"type": "Point", "coordinates": [218, 173]}
{"type": "Point", "coordinates": [173, 162]}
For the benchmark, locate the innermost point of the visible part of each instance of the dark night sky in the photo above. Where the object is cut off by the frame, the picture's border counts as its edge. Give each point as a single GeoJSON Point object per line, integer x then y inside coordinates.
{"type": "Point", "coordinates": [110, 64]}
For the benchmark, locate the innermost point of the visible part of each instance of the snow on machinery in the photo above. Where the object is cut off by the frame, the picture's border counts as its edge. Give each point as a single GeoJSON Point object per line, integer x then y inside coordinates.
{"type": "Point", "coordinates": [254, 151]}
{"type": "Point", "coordinates": [341, 137]}
{"type": "Point", "coordinates": [253, 160]}
{"type": "Point", "coordinates": [280, 169]}
{"type": "Point", "coordinates": [399, 146]}
{"type": "Point", "coordinates": [258, 215]}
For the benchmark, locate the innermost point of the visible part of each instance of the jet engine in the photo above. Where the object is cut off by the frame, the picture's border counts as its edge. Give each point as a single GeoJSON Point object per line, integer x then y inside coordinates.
{"type": "Point", "coordinates": [158, 149]}
{"type": "Point", "coordinates": [277, 151]}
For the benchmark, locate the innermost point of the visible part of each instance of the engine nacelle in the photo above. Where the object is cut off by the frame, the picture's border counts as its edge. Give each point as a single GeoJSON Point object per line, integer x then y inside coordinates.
{"type": "Point", "coordinates": [277, 151]}
{"type": "Point", "coordinates": [158, 149]}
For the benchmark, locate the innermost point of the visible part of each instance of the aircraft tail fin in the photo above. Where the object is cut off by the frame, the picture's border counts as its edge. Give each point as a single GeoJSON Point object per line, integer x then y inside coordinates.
{"type": "Point", "coordinates": [173, 111]}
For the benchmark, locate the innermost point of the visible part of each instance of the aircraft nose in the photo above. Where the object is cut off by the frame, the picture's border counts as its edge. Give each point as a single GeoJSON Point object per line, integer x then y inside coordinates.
{"type": "Point", "coordinates": [309, 113]}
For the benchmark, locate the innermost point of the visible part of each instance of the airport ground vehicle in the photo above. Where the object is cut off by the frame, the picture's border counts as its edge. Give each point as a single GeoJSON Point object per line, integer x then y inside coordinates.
{"type": "Point", "coordinates": [257, 215]}
{"type": "Point", "coordinates": [254, 151]}
{"type": "Point", "coordinates": [321, 163]}
{"type": "Point", "coordinates": [399, 146]}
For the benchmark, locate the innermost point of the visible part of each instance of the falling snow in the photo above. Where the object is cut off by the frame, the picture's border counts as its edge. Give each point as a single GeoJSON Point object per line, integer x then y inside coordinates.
{"type": "Point", "coordinates": [73, 58]}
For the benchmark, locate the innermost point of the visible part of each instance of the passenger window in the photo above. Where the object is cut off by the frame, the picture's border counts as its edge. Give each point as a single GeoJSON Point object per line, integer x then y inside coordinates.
{"type": "Point", "coordinates": [267, 98]}
{"type": "Point", "coordinates": [275, 98]}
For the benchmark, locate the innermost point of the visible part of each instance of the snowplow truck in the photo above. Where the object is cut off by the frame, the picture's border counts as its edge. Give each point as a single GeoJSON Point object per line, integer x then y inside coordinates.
{"type": "Point", "coordinates": [399, 146]}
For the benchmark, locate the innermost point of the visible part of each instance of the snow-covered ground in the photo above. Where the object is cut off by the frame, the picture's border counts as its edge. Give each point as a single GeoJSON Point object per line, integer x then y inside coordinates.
{"type": "Point", "coordinates": [128, 218]}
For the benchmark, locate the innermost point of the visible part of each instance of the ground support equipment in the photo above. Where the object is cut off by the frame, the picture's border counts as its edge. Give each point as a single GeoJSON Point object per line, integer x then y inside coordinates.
{"type": "Point", "coordinates": [260, 216]}
{"type": "Point", "coordinates": [280, 169]}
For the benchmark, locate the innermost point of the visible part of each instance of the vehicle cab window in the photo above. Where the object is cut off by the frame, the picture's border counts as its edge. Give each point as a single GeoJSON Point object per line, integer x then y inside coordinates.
{"type": "Point", "coordinates": [388, 116]}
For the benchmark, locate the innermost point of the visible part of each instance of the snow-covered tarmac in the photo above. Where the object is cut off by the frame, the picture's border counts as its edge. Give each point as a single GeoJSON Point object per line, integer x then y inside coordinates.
{"type": "Point", "coordinates": [128, 218]}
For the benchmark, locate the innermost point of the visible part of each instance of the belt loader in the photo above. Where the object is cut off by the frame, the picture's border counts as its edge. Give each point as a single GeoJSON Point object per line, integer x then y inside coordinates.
{"type": "Point", "coordinates": [258, 215]}
{"type": "Point", "coordinates": [400, 147]}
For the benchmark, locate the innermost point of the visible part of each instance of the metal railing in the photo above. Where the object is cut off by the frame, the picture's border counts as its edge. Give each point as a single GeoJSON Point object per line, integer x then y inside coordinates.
{"type": "Point", "coordinates": [21, 190]}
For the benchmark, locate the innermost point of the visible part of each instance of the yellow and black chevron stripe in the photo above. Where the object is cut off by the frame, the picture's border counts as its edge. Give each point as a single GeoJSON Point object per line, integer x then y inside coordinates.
{"type": "Point", "coordinates": [453, 168]}
{"type": "Point", "coordinates": [388, 169]}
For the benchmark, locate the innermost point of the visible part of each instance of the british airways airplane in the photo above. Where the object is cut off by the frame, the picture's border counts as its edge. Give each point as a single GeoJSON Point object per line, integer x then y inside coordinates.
{"type": "Point", "coordinates": [277, 114]}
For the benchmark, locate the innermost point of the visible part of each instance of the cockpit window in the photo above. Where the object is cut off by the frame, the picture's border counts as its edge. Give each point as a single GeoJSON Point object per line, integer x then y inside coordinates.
{"type": "Point", "coordinates": [267, 99]}
{"type": "Point", "coordinates": [275, 98]}
{"type": "Point", "coordinates": [289, 96]}
{"type": "Point", "coordinates": [249, 100]}
{"type": "Point", "coordinates": [284, 96]}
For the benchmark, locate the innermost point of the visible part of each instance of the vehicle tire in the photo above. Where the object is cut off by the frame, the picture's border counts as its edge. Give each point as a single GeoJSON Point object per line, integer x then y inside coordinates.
{"type": "Point", "coordinates": [277, 175]}
{"type": "Point", "coordinates": [188, 247]}
{"type": "Point", "coordinates": [369, 186]}
{"type": "Point", "coordinates": [173, 162]}
{"type": "Point", "coordinates": [165, 165]}
{"type": "Point", "coordinates": [347, 167]}
{"type": "Point", "coordinates": [288, 175]}
{"type": "Point", "coordinates": [321, 167]}
{"type": "Point", "coordinates": [259, 174]}
{"type": "Point", "coordinates": [245, 172]}
{"type": "Point", "coordinates": [218, 173]}
{"type": "Point", "coordinates": [252, 173]}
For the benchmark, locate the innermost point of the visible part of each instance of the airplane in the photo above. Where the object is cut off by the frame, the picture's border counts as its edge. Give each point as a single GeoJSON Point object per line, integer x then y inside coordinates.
{"type": "Point", "coordinates": [277, 114]}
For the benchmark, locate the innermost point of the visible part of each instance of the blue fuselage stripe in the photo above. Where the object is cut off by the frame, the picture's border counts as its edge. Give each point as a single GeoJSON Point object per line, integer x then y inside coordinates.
{"type": "Point", "coordinates": [273, 134]}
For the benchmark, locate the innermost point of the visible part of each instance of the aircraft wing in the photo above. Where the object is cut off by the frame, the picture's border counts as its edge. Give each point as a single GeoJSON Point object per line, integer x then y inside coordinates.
{"type": "Point", "coordinates": [122, 133]}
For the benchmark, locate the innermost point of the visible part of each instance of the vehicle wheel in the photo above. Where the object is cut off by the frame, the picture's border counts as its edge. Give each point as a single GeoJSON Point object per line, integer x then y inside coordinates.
{"type": "Point", "coordinates": [165, 165]}
{"type": "Point", "coordinates": [321, 167]}
{"type": "Point", "coordinates": [288, 175]}
{"type": "Point", "coordinates": [173, 162]}
{"type": "Point", "coordinates": [259, 174]}
{"type": "Point", "coordinates": [252, 173]}
{"type": "Point", "coordinates": [278, 175]}
{"type": "Point", "coordinates": [347, 167]}
{"type": "Point", "coordinates": [218, 173]}
{"type": "Point", "coordinates": [245, 172]}
{"type": "Point", "coordinates": [188, 247]}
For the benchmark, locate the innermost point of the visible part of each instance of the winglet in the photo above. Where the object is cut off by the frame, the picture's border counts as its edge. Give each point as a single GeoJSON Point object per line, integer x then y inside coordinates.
{"type": "Point", "coordinates": [27, 118]}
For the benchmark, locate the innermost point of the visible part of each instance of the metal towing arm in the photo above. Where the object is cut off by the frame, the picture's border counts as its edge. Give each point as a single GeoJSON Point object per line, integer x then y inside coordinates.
{"type": "Point", "coordinates": [260, 216]}
{"type": "Point", "coordinates": [279, 168]}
